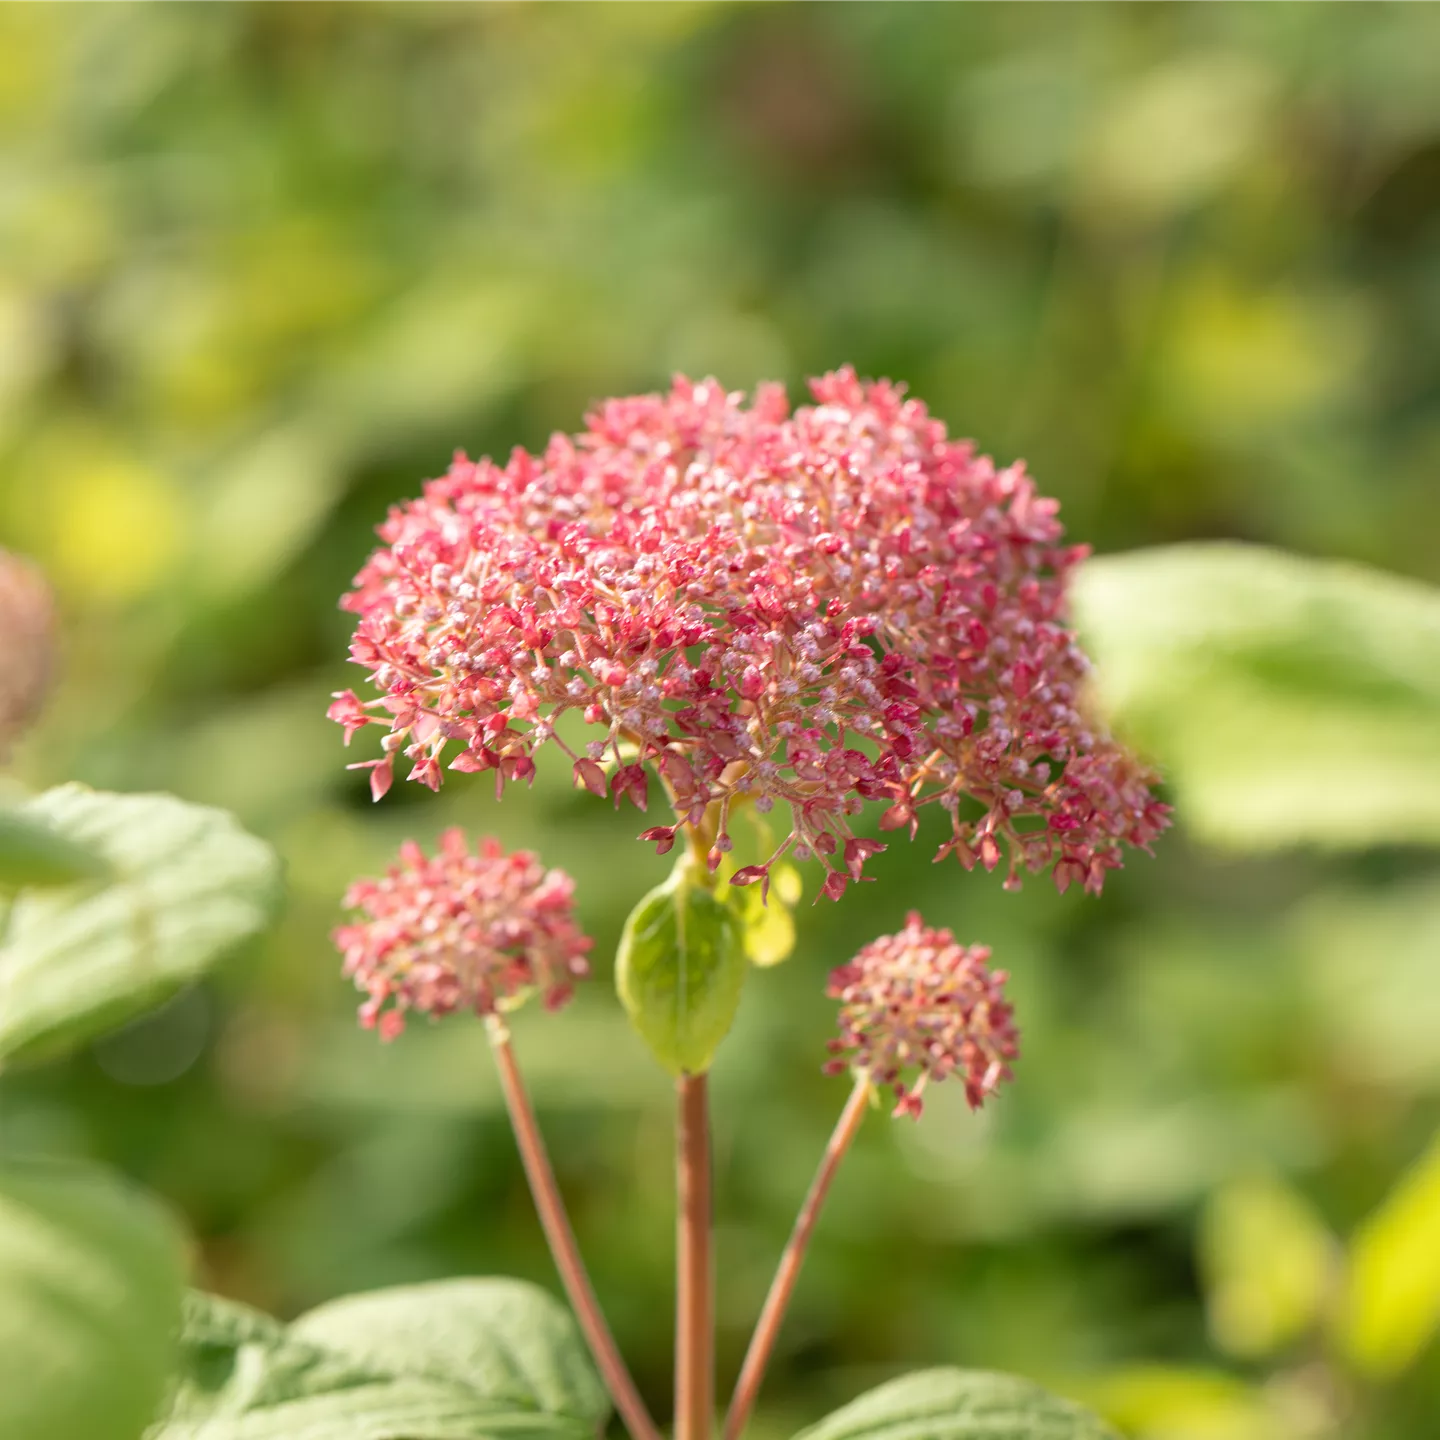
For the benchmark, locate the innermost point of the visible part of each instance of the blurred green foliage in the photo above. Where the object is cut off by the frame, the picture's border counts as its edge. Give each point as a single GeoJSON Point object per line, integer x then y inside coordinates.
{"type": "Point", "coordinates": [265, 267]}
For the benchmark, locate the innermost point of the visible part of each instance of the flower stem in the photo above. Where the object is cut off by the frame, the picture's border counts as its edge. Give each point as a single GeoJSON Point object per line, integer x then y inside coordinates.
{"type": "Point", "coordinates": [694, 1289]}
{"type": "Point", "coordinates": [561, 1238]}
{"type": "Point", "coordinates": [767, 1328]}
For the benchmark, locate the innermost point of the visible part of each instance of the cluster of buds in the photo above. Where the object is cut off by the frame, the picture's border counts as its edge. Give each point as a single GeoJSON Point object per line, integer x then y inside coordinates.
{"type": "Point", "coordinates": [460, 931]}
{"type": "Point", "coordinates": [27, 645]}
{"type": "Point", "coordinates": [917, 1007]}
{"type": "Point", "coordinates": [823, 608]}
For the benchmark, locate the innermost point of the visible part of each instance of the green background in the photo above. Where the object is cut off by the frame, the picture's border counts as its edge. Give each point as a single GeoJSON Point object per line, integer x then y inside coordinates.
{"type": "Point", "coordinates": [262, 269]}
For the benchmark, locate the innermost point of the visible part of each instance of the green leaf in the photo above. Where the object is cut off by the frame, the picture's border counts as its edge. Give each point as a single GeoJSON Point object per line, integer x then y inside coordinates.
{"type": "Point", "coordinates": [1177, 1401]}
{"type": "Point", "coordinates": [186, 885]}
{"type": "Point", "coordinates": [236, 1361]}
{"type": "Point", "coordinates": [1267, 1259]}
{"type": "Point", "coordinates": [504, 1339]}
{"type": "Point", "coordinates": [1377, 1023]}
{"type": "Point", "coordinates": [91, 1276]}
{"type": "Point", "coordinates": [767, 924]}
{"type": "Point", "coordinates": [33, 852]}
{"type": "Point", "coordinates": [1391, 1305]}
{"type": "Point", "coordinates": [450, 1360]}
{"type": "Point", "coordinates": [680, 970]}
{"type": "Point", "coordinates": [950, 1404]}
{"type": "Point", "coordinates": [1290, 700]}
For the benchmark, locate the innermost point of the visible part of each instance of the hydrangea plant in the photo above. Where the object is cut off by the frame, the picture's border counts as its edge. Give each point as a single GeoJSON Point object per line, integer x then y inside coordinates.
{"type": "Point", "coordinates": [711, 606]}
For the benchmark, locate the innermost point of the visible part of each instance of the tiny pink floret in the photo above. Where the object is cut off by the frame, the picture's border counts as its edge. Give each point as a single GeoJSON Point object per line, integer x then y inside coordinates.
{"type": "Point", "coordinates": [917, 1008]}
{"type": "Point", "coordinates": [460, 931]}
{"type": "Point", "coordinates": [823, 608]}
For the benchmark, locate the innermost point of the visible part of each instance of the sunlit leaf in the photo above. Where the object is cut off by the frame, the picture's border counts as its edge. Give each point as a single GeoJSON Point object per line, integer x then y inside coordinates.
{"type": "Point", "coordinates": [504, 1339]}
{"type": "Point", "coordinates": [1176, 134]}
{"type": "Point", "coordinates": [768, 927]}
{"type": "Point", "coordinates": [1267, 1261]}
{"type": "Point", "coordinates": [91, 1276]}
{"type": "Point", "coordinates": [960, 1405]}
{"type": "Point", "coordinates": [769, 931]}
{"type": "Point", "coordinates": [1175, 1403]}
{"type": "Point", "coordinates": [1289, 700]}
{"type": "Point", "coordinates": [1392, 1300]}
{"type": "Point", "coordinates": [1369, 964]}
{"type": "Point", "coordinates": [450, 1360]}
{"type": "Point", "coordinates": [1241, 359]}
{"type": "Point", "coordinates": [187, 884]}
{"type": "Point", "coordinates": [118, 524]}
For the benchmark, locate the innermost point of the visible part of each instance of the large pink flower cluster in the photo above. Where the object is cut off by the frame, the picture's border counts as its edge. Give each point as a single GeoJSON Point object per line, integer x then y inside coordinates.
{"type": "Point", "coordinates": [823, 608]}
{"type": "Point", "coordinates": [916, 1007]}
{"type": "Point", "coordinates": [460, 931]}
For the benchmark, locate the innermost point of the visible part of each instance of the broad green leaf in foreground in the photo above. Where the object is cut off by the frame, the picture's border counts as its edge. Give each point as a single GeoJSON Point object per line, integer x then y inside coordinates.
{"type": "Point", "coordinates": [91, 1277]}
{"type": "Point", "coordinates": [451, 1360]}
{"type": "Point", "coordinates": [1391, 1304]}
{"type": "Point", "coordinates": [186, 884]}
{"type": "Point", "coordinates": [951, 1404]}
{"type": "Point", "coordinates": [503, 1338]}
{"type": "Point", "coordinates": [680, 970]}
{"type": "Point", "coordinates": [1290, 700]}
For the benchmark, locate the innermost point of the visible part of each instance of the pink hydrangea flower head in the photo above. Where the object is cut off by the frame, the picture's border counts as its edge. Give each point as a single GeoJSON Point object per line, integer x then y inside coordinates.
{"type": "Point", "coordinates": [819, 609]}
{"type": "Point", "coordinates": [916, 1007]}
{"type": "Point", "coordinates": [460, 931]}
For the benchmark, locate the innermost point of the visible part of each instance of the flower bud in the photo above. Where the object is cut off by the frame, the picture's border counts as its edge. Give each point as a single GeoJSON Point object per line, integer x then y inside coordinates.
{"type": "Point", "coordinates": [27, 645]}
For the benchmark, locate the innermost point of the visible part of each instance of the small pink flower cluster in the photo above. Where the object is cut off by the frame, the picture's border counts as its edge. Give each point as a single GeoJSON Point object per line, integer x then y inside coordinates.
{"type": "Point", "coordinates": [823, 608]}
{"type": "Point", "coordinates": [919, 1003]}
{"type": "Point", "coordinates": [460, 931]}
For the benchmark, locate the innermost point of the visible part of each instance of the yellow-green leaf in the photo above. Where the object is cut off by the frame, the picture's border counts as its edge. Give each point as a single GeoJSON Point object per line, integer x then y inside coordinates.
{"type": "Point", "coordinates": [1172, 1402]}
{"type": "Point", "coordinates": [767, 924]}
{"type": "Point", "coordinates": [1392, 1298]}
{"type": "Point", "coordinates": [1267, 1260]}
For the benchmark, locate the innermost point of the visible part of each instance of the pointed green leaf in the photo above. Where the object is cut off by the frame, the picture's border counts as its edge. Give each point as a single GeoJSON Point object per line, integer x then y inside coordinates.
{"type": "Point", "coordinates": [504, 1339]}
{"type": "Point", "coordinates": [186, 884]}
{"type": "Point", "coordinates": [91, 1275]}
{"type": "Point", "coordinates": [460, 1359]}
{"type": "Point", "coordinates": [949, 1404]}
{"type": "Point", "coordinates": [680, 969]}
{"type": "Point", "coordinates": [237, 1361]}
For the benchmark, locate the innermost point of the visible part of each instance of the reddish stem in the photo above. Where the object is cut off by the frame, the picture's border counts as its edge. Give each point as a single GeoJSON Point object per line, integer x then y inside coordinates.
{"type": "Point", "coordinates": [767, 1328]}
{"type": "Point", "coordinates": [694, 1288]}
{"type": "Point", "coordinates": [561, 1238]}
